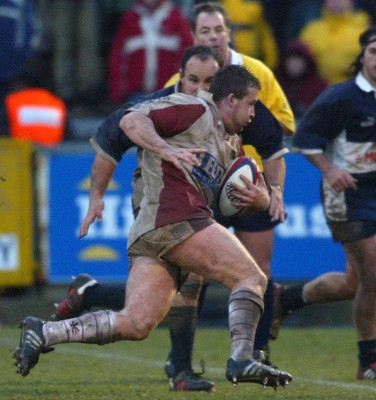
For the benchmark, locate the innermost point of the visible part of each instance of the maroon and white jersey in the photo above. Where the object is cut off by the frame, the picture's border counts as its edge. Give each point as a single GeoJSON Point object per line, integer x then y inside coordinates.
{"type": "Point", "coordinates": [172, 195]}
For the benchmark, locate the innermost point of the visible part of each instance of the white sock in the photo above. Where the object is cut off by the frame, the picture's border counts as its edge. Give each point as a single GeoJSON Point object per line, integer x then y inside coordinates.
{"type": "Point", "coordinates": [97, 327]}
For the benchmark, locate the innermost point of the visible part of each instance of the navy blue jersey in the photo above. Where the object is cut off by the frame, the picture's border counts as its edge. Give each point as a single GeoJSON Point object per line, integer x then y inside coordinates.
{"type": "Point", "coordinates": [341, 123]}
{"type": "Point", "coordinates": [265, 134]}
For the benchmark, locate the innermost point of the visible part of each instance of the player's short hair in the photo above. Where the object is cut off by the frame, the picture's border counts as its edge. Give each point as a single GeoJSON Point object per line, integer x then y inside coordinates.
{"type": "Point", "coordinates": [235, 79]}
{"type": "Point", "coordinates": [203, 53]}
{"type": "Point", "coordinates": [210, 8]}
{"type": "Point", "coordinates": [367, 37]}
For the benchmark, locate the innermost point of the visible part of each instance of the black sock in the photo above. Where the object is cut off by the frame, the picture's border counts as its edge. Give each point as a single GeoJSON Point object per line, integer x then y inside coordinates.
{"type": "Point", "coordinates": [292, 297]}
{"type": "Point", "coordinates": [182, 325]}
{"type": "Point", "coordinates": [202, 298]}
{"type": "Point", "coordinates": [265, 323]}
{"type": "Point", "coordinates": [367, 352]}
{"type": "Point", "coordinates": [109, 296]}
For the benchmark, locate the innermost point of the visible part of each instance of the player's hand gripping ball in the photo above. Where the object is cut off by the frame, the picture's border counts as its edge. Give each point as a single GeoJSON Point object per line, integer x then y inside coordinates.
{"type": "Point", "coordinates": [241, 166]}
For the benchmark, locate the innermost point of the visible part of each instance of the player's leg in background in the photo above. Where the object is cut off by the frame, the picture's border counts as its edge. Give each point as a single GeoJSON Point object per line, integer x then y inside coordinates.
{"type": "Point", "coordinates": [181, 320]}
{"type": "Point", "coordinates": [328, 287]}
{"type": "Point", "coordinates": [84, 293]}
{"type": "Point", "coordinates": [331, 286]}
{"type": "Point", "coordinates": [362, 256]}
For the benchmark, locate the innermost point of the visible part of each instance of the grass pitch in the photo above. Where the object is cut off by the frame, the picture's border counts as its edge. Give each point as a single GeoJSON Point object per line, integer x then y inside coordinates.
{"type": "Point", "coordinates": [323, 363]}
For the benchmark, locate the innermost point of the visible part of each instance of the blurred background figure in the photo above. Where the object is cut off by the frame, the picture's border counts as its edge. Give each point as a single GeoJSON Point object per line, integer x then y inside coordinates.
{"type": "Point", "coordinates": [111, 12]}
{"type": "Point", "coordinates": [250, 31]}
{"type": "Point", "coordinates": [147, 49]}
{"type": "Point", "coordinates": [185, 6]}
{"type": "Point", "coordinates": [18, 39]}
{"type": "Point", "coordinates": [333, 38]}
{"type": "Point", "coordinates": [298, 75]}
{"type": "Point", "coordinates": [296, 14]}
{"type": "Point", "coordinates": [73, 30]}
{"type": "Point", "coordinates": [369, 6]}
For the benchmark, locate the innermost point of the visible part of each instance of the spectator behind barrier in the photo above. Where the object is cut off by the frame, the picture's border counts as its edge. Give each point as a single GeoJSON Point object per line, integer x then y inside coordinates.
{"type": "Point", "coordinates": [369, 6]}
{"type": "Point", "coordinates": [298, 75]}
{"type": "Point", "coordinates": [147, 49]}
{"type": "Point", "coordinates": [19, 34]}
{"type": "Point", "coordinates": [73, 27]}
{"type": "Point", "coordinates": [333, 39]}
{"type": "Point", "coordinates": [250, 31]}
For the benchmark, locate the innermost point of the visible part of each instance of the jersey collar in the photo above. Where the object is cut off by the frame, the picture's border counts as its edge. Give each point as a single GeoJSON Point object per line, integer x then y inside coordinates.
{"type": "Point", "coordinates": [208, 97]}
{"type": "Point", "coordinates": [236, 58]}
{"type": "Point", "coordinates": [363, 84]}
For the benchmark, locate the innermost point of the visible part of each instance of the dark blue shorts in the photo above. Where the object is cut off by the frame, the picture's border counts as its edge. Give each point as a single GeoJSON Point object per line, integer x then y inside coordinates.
{"type": "Point", "coordinates": [259, 222]}
{"type": "Point", "coordinates": [352, 231]}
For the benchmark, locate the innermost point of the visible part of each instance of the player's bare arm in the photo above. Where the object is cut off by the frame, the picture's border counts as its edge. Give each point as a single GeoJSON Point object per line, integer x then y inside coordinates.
{"type": "Point", "coordinates": [275, 172]}
{"type": "Point", "coordinates": [140, 129]}
{"type": "Point", "coordinates": [101, 174]}
{"type": "Point", "coordinates": [338, 179]}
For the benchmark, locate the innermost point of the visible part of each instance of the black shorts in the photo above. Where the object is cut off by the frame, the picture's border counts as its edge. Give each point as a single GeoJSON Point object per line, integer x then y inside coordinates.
{"type": "Point", "coordinates": [259, 222]}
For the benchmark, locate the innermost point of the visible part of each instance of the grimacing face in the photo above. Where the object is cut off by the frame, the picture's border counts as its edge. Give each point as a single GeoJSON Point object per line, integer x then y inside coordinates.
{"type": "Point", "coordinates": [241, 111]}
{"type": "Point", "coordinates": [197, 75]}
{"type": "Point", "coordinates": [212, 31]}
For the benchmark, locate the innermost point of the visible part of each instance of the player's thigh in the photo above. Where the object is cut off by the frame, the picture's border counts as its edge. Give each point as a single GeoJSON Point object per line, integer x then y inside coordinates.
{"type": "Point", "coordinates": [150, 290]}
{"type": "Point", "coordinates": [217, 254]}
{"type": "Point", "coordinates": [260, 246]}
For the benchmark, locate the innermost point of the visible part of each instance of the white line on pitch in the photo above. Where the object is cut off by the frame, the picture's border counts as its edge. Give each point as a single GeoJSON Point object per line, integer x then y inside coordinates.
{"type": "Point", "coordinates": [213, 370]}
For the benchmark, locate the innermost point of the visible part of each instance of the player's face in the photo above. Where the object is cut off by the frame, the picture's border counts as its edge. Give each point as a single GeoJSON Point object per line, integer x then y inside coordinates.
{"type": "Point", "coordinates": [243, 110]}
{"type": "Point", "coordinates": [211, 30]}
{"type": "Point", "coordinates": [369, 63]}
{"type": "Point", "coordinates": [198, 75]}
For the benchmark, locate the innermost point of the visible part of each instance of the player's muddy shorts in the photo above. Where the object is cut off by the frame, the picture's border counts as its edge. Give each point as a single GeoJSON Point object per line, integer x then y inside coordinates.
{"type": "Point", "coordinates": [350, 213]}
{"type": "Point", "coordinates": [159, 241]}
{"type": "Point", "coordinates": [351, 231]}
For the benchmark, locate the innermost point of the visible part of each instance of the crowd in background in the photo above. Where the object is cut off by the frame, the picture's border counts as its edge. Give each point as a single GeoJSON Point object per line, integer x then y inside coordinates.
{"type": "Point", "coordinates": [97, 54]}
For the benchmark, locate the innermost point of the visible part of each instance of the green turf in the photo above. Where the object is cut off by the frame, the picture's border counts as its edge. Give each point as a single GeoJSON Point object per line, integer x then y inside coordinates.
{"type": "Point", "coordinates": [322, 361]}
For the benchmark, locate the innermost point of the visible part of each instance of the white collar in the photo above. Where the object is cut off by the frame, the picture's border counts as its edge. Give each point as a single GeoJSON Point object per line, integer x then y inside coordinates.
{"type": "Point", "coordinates": [236, 58]}
{"type": "Point", "coordinates": [363, 84]}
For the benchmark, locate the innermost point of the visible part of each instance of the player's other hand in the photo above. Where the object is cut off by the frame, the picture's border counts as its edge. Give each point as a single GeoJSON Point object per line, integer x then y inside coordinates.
{"type": "Point", "coordinates": [340, 180]}
{"type": "Point", "coordinates": [276, 208]}
{"type": "Point", "coordinates": [95, 210]}
{"type": "Point", "coordinates": [178, 156]}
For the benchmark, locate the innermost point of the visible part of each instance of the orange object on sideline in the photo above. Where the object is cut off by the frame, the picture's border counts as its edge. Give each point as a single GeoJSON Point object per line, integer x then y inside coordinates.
{"type": "Point", "coordinates": [37, 115]}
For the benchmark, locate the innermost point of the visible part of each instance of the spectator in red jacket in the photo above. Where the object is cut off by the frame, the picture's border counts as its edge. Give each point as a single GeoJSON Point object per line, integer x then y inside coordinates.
{"type": "Point", "coordinates": [147, 49]}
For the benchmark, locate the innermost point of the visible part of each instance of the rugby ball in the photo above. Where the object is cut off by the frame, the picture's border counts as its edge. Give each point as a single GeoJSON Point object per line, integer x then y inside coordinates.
{"type": "Point", "coordinates": [240, 166]}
